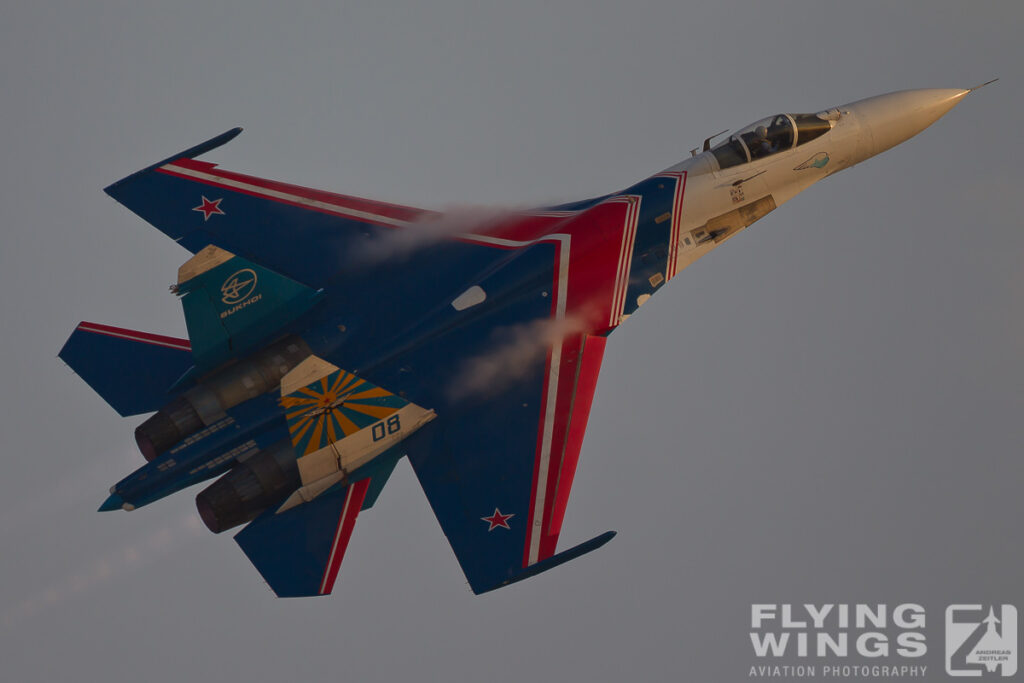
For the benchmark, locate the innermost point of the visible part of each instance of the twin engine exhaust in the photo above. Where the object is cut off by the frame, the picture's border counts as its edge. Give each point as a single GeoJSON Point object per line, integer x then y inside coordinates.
{"type": "Point", "coordinates": [206, 403]}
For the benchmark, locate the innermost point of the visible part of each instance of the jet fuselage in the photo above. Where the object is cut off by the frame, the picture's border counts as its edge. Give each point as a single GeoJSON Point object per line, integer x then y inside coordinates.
{"type": "Point", "coordinates": [326, 334]}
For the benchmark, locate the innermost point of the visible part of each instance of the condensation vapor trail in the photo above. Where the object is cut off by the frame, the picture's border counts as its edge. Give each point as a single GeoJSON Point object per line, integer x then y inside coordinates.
{"type": "Point", "coordinates": [74, 490]}
{"type": "Point", "coordinates": [127, 559]}
{"type": "Point", "coordinates": [517, 348]}
{"type": "Point", "coordinates": [401, 243]}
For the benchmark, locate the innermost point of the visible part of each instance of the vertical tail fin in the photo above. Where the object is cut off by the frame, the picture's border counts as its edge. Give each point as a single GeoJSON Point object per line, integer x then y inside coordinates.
{"type": "Point", "coordinates": [231, 305]}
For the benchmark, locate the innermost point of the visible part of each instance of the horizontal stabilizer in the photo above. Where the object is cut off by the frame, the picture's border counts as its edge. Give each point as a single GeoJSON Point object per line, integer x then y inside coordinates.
{"type": "Point", "coordinates": [131, 370]}
{"type": "Point", "coordinates": [231, 305]}
{"type": "Point", "coordinates": [299, 551]}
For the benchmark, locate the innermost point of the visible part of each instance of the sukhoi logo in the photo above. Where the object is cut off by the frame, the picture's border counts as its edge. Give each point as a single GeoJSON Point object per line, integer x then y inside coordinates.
{"type": "Point", "coordinates": [237, 292]}
{"type": "Point", "coordinates": [238, 286]}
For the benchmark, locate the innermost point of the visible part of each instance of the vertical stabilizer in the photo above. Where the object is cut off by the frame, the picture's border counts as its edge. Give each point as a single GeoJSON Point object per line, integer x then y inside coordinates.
{"type": "Point", "coordinates": [231, 305]}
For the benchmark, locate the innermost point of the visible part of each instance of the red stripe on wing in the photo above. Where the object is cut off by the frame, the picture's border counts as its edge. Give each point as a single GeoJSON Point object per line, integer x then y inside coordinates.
{"type": "Point", "coordinates": [568, 373]}
{"type": "Point", "coordinates": [597, 239]}
{"type": "Point", "coordinates": [341, 201]}
{"type": "Point", "coordinates": [586, 385]}
{"type": "Point", "coordinates": [133, 335]}
{"type": "Point", "coordinates": [522, 227]}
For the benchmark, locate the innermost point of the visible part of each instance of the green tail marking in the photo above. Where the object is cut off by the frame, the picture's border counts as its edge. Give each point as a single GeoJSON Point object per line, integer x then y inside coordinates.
{"type": "Point", "coordinates": [232, 305]}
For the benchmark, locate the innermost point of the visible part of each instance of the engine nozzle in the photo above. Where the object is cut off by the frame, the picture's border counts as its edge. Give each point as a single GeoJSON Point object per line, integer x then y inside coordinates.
{"type": "Point", "coordinates": [249, 488]}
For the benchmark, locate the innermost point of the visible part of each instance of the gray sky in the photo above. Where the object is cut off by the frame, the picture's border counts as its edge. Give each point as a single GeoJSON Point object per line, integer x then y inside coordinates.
{"type": "Point", "coordinates": [826, 410]}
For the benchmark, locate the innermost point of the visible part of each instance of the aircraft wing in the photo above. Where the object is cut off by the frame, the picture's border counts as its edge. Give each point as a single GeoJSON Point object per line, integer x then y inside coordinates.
{"type": "Point", "coordinates": [498, 466]}
{"type": "Point", "coordinates": [296, 231]}
{"type": "Point", "coordinates": [302, 233]}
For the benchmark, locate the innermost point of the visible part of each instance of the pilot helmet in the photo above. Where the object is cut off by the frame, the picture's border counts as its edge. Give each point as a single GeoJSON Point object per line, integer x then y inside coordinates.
{"type": "Point", "coordinates": [761, 132]}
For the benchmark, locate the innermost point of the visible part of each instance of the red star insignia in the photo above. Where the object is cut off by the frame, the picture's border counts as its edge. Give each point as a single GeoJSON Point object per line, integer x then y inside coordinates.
{"type": "Point", "coordinates": [498, 519]}
{"type": "Point", "coordinates": [209, 208]}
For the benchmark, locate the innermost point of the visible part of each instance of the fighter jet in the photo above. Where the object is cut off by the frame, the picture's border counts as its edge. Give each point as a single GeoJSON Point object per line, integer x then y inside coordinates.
{"type": "Point", "coordinates": [329, 336]}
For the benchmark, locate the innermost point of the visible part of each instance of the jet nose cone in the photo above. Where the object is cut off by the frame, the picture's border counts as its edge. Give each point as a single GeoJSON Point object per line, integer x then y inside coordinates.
{"type": "Point", "coordinates": [887, 120]}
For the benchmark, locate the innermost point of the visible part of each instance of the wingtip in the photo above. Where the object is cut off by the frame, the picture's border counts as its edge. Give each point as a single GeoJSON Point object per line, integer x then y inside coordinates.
{"type": "Point", "coordinates": [201, 148]}
{"type": "Point", "coordinates": [548, 563]}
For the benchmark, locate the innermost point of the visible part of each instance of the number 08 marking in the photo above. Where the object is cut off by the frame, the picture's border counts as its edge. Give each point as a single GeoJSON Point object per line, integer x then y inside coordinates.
{"type": "Point", "coordinates": [383, 428]}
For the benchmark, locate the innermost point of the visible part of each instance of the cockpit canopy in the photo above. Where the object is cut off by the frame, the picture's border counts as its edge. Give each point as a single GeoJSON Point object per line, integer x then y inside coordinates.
{"type": "Point", "coordinates": [772, 135]}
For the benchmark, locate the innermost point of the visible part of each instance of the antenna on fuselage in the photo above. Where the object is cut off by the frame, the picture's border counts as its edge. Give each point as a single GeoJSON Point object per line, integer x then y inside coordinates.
{"type": "Point", "coordinates": [707, 143]}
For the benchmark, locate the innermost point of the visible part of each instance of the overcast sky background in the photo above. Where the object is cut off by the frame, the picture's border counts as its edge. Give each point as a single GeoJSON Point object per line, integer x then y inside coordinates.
{"type": "Point", "coordinates": [829, 409]}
